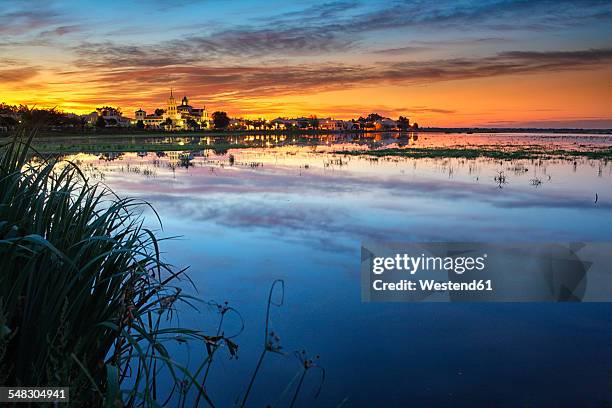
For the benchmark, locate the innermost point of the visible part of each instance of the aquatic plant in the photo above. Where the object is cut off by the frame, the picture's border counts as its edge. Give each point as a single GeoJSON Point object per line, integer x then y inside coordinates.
{"type": "Point", "coordinates": [85, 299]}
{"type": "Point", "coordinates": [536, 182]}
{"type": "Point", "coordinates": [604, 153]}
{"type": "Point", "coordinates": [271, 339]}
{"type": "Point", "coordinates": [500, 179]}
{"type": "Point", "coordinates": [307, 364]}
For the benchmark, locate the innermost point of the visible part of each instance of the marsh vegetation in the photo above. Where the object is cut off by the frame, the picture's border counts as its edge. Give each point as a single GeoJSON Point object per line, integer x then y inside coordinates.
{"type": "Point", "coordinates": [87, 301]}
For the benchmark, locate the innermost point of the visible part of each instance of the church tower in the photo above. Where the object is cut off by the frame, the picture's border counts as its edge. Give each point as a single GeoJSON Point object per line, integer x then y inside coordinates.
{"type": "Point", "coordinates": [171, 103]}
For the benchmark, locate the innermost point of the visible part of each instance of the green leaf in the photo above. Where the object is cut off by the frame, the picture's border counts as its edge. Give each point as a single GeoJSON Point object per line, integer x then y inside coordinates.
{"type": "Point", "coordinates": [4, 331]}
{"type": "Point", "coordinates": [113, 396]}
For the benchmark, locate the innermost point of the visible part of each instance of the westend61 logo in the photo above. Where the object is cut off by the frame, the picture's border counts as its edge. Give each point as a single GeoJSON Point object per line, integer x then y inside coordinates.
{"type": "Point", "coordinates": [486, 272]}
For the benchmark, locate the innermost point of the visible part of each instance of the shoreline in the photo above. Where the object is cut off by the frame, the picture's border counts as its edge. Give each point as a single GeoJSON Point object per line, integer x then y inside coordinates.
{"type": "Point", "coordinates": [499, 153]}
{"type": "Point", "coordinates": [123, 133]}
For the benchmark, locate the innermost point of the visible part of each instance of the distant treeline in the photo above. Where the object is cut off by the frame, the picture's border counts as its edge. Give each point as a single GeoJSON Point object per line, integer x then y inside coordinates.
{"type": "Point", "coordinates": [13, 115]}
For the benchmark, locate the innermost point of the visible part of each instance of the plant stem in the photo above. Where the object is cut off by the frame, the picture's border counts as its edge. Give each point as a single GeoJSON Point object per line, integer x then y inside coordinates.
{"type": "Point", "coordinates": [299, 386]}
{"type": "Point", "coordinates": [210, 358]}
{"type": "Point", "coordinates": [246, 395]}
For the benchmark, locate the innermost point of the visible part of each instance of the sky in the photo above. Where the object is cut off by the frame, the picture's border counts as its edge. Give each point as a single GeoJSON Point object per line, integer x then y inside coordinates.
{"type": "Point", "coordinates": [497, 63]}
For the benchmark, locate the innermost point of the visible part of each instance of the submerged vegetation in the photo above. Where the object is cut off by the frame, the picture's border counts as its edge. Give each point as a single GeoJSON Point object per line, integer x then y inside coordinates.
{"type": "Point", "coordinates": [604, 153]}
{"type": "Point", "coordinates": [85, 298]}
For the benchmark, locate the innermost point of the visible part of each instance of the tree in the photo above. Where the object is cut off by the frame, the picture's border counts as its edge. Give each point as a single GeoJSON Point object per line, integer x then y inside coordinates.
{"type": "Point", "coordinates": [140, 125]}
{"type": "Point", "coordinates": [192, 124]}
{"type": "Point", "coordinates": [373, 117]}
{"type": "Point", "coordinates": [368, 125]}
{"type": "Point", "coordinates": [220, 119]}
{"type": "Point", "coordinates": [5, 108]}
{"type": "Point", "coordinates": [314, 122]}
{"type": "Point", "coordinates": [33, 116]}
{"type": "Point", "coordinates": [403, 123]}
{"type": "Point", "coordinates": [109, 111]}
{"type": "Point", "coordinates": [159, 112]}
{"type": "Point", "coordinates": [8, 122]}
{"type": "Point", "coordinates": [100, 122]}
{"type": "Point", "coordinates": [415, 125]}
{"type": "Point", "coordinates": [168, 122]}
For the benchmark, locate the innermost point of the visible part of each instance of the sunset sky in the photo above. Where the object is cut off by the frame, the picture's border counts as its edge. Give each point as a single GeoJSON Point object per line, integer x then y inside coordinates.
{"type": "Point", "coordinates": [442, 63]}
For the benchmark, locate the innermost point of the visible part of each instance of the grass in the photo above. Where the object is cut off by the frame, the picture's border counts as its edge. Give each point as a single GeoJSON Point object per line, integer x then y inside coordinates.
{"type": "Point", "coordinates": [86, 300]}
{"type": "Point", "coordinates": [472, 153]}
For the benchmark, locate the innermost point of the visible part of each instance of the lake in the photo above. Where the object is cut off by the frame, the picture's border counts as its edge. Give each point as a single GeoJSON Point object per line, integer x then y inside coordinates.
{"type": "Point", "coordinates": [299, 211]}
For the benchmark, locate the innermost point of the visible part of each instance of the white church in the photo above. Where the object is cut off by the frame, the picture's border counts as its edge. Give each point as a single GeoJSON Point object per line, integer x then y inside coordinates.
{"type": "Point", "coordinates": [176, 117]}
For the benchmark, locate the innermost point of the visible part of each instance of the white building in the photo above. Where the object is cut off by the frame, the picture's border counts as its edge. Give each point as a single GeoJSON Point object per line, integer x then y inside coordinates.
{"type": "Point", "coordinates": [112, 118]}
{"type": "Point", "coordinates": [282, 123]}
{"type": "Point", "coordinates": [176, 117]}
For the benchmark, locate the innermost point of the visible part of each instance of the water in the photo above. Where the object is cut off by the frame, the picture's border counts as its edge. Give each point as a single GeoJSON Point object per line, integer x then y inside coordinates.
{"type": "Point", "coordinates": [299, 213]}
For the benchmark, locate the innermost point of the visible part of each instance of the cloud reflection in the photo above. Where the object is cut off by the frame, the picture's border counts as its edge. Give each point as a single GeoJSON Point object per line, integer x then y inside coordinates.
{"type": "Point", "coordinates": [335, 211]}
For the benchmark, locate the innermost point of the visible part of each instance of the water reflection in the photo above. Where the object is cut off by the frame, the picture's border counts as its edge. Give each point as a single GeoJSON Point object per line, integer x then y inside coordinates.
{"type": "Point", "coordinates": [324, 142]}
{"type": "Point", "coordinates": [298, 211]}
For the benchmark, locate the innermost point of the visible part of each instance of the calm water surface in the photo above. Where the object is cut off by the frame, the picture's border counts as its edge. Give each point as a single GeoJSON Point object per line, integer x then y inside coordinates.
{"type": "Point", "coordinates": [299, 213]}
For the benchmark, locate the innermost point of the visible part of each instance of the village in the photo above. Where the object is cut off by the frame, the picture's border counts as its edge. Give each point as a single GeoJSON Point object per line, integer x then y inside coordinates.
{"type": "Point", "coordinates": [185, 117]}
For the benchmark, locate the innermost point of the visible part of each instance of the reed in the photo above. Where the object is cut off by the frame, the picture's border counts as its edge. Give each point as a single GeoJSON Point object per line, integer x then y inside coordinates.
{"type": "Point", "coordinates": [85, 299]}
